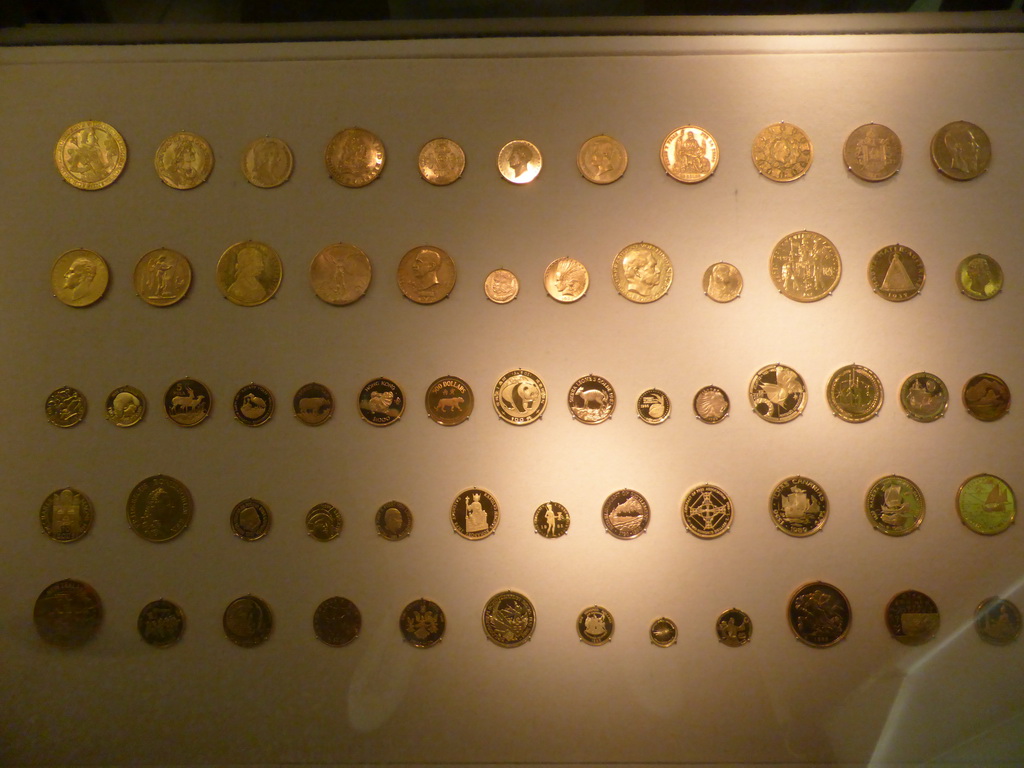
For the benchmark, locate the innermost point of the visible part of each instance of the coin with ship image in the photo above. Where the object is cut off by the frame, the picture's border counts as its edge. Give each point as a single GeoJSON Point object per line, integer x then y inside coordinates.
{"type": "Point", "coordinates": [854, 393]}
{"type": "Point", "coordinates": [895, 505]}
{"type": "Point", "coordinates": [986, 504]}
{"type": "Point", "coordinates": [924, 397]}
{"type": "Point", "coordinates": [798, 506]}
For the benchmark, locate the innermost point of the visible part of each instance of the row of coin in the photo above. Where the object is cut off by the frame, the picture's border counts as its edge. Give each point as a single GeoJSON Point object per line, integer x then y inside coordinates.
{"type": "Point", "coordinates": [160, 508]}
{"type": "Point", "coordinates": [92, 154]}
{"type": "Point", "coordinates": [804, 266]}
{"type": "Point", "coordinates": [69, 613]}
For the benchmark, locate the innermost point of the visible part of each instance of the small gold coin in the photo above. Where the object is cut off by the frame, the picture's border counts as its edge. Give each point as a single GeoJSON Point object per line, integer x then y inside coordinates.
{"type": "Point", "coordinates": [426, 275]}
{"type": "Point", "coordinates": [65, 407]}
{"type": "Point", "coordinates": [997, 621]}
{"type": "Point", "coordinates": [979, 277]}
{"type": "Point", "coordinates": [248, 621]}
{"type": "Point", "coordinates": [250, 519]}
{"type": "Point", "coordinates": [894, 505]}
{"type": "Point", "coordinates": [519, 161]}
{"type": "Point", "coordinates": [449, 401]}
{"type": "Point", "coordinates": [707, 511]}
{"type": "Point", "coordinates": [896, 273]}
{"type": "Point", "coordinates": [566, 280]}
{"type": "Point", "coordinates": [663, 632]}
{"type": "Point", "coordinates": [501, 286]}
{"type": "Point", "coordinates": [162, 277]}
{"type": "Point", "coordinates": [602, 159]}
{"type": "Point", "coordinates": [79, 277]}
{"type": "Point", "coordinates": [595, 625]}
{"type": "Point", "coordinates": [509, 619]}
{"type": "Point", "coordinates": [66, 515]}
{"type": "Point", "coordinates": [986, 504]}
{"type": "Point", "coordinates": [267, 162]}
{"type": "Point", "coordinates": [249, 273]}
{"type": "Point", "coordinates": [90, 155]}
{"type": "Point", "coordinates": [520, 397]}
{"type": "Point", "coordinates": [340, 274]}
{"type": "Point", "coordinates": [475, 514]}
{"type": "Point", "coordinates": [125, 406]}
{"type": "Point", "coordinates": [798, 506]}
{"type": "Point", "coordinates": [422, 623]}
{"type": "Point", "coordinates": [68, 613]}
{"type": "Point", "coordinates": [711, 404]}
{"type": "Point", "coordinates": [873, 152]}
{"type": "Point", "coordinates": [912, 617]}
{"type": "Point", "coordinates": [819, 614]}
{"type": "Point", "coordinates": [354, 157]}
{"type": "Point", "coordinates": [924, 397]}
{"type": "Point", "coordinates": [782, 152]}
{"type": "Point", "coordinates": [441, 162]}
{"type": "Point", "coordinates": [777, 393]}
{"type": "Point", "coordinates": [551, 520]}
{"type": "Point", "coordinates": [689, 154]}
{"type": "Point", "coordinates": [961, 150]}
{"type": "Point", "coordinates": [187, 402]}
{"type": "Point", "coordinates": [159, 508]}
{"type": "Point", "coordinates": [626, 514]}
{"type": "Point", "coordinates": [722, 282]}
{"type": "Point", "coordinates": [337, 621]}
{"type": "Point", "coordinates": [381, 402]}
{"type": "Point", "coordinates": [183, 160]}
{"type": "Point", "coordinates": [591, 399]}
{"type": "Point", "coordinates": [986, 397]}
{"type": "Point", "coordinates": [324, 522]}
{"type": "Point", "coordinates": [805, 266]}
{"type": "Point", "coordinates": [253, 405]}
{"type": "Point", "coordinates": [642, 273]}
{"type": "Point", "coordinates": [313, 404]}
{"type": "Point", "coordinates": [393, 520]}
{"type": "Point", "coordinates": [653, 406]}
{"type": "Point", "coordinates": [734, 628]}
{"type": "Point", "coordinates": [161, 623]}
{"type": "Point", "coordinates": [854, 394]}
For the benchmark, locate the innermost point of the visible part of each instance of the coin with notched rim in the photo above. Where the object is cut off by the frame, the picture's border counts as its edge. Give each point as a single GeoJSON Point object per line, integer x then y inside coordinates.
{"type": "Point", "coordinates": [961, 150]}
{"type": "Point", "coordinates": [125, 406]}
{"type": "Point", "coordinates": [734, 628]}
{"type": "Point", "coordinates": [986, 397]}
{"type": "Point", "coordinates": [602, 159]}
{"type": "Point", "coordinates": [354, 157]}
{"type": "Point", "coordinates": [250, 519]}
{"type": "Point", "coordinates": [894, 505]}
{"type": "Point", "coordinates": [986, 504]}
{"type": "Point", "coordinates": [642, 273]}
{"type": "Point", "coordinates": [924, 397]}
{"type": "Point", "coordinates": [249, 273]}
{"type": "Point", "coordinates": [520, 397]}
{"type": "Point", "coordinates": [66, 515]}
{"type": "Point", "coordinates": [707, 511]}
{"type": "Point", "coordinates": [979, 277]}
{"type": "Point", "coordinates": [566, 280]}
{"type": "Point", "coordinates": [595, 625]}
{"type": "Point", "coordinates": [711, 404]}
{"type": "Point", "coordinates": [393, 520]}
{"type": "Point", "coordinates": [65, 407]}
{"type": "Point", "coordinates": [912, 617]}
{"type": "Point", "coordinates": [551, 520]}
{"type": "Point", "coordinates": [777, 393]}
{"type": "Point", "coordinates": [663, 632]}
{"type": "Point", "coordinates": [79, 277]}
{"type": "Point", "coordinates": [161, 623]}
{"type": "Point", "coordinates": [159, 508]}
{"type": "Point", "coordinates": [248, 621]}
{"type": "Point", "coordinates": [626, 514]}
{"type": "Point", "coordinates": [997, 621]}
{"type": "Point", "coordinates": [653, 406]}
{"type": "Point", "coordinates": [591, 399]}
{"type": "Point", "coordinates": [324, 522]}
{"type": "Point", "coordinates": [819, 614]}
{"type": "Point", "coordinates": [381, 402]}
{"type": "Point", "coordinates": [426, 274]}
{"type": "Point", "coordinates": [509, 619]}
{"type": "Point", "coordinates": [475, 514]}
{"type": "Point", "coordinates": [183, 160]}
{"type": "Point", "coordinates": [873, 152]}
{"type": "Point", "coordinates": [340, 274]}
{"type": "Point", "coordinates": [162, 277]}
{"type": "Point", "coordinates": [896, 273]}
{"type": "Point", "coordinates": [805, 266]}
{"type": "Point", "coordinates": [422, 623]}
{"type": "Point", "coordinates": [441, 162]}
{"type": "Point", "coordinates": [313, 404]}
{"type": "Point", "coordinates": [267, 162]}
{"type": "Point", "coordinates": [519, 161]}
{"type": "Point", "coordinates": [854, 394]}
{"type": "Point", "coordinates": [782, 152]}
{"type": "Point", "coordinates": [337, 621]}
{"type": "Point", "coordinates": [187, 402]}
{"type": "Point", "coordinates": [798, 506]}
{"type": "Point", "coordinates": [68, 613]}
{"type": "Point", "coordinates": [722, 282]}
{"type": "Point", "coordinates": [449, 401]}
{"type": "Point", "coordinates": [90, 155]}
{"type": "Point", "coordinates": [689, 154]}
{"type": "Point", "coordinates": [253, 405]}
{"type": "Point", "coordinates": [501, 286]}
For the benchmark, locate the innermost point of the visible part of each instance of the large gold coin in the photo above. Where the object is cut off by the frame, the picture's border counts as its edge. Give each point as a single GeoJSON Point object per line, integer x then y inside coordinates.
{"type": "Point", "coordinates": [979, 277]}
{"type": "Point", "coordinates": [449, 401]}
{"type": "Point", "coordinates": [734, 628]}
{"type": "Point", "coordinates": [267, 162]}
{"type": "Point", "coordinates": [798, 506]}
{"type": "Point", "coordinates": [566, 280]}
{"type": "Point", "coordinates": [68, 613]}
{"type": "Point", "coordinates": [722, 282]}
{"type": "Point", "coordinates": [249, 273]}
{"type": "Point", "coordinates": [313, 404]}
{"type": "Point", "coordinates": [591, 399]}
{"type": "Point", "coordinates": [354, 157]}
{"type": "Point", "coordinates": [653, 406]}
{"type": "Point", "coordinates": [501, 286]}
{"type": "Point", "coordinates": [520, 397]}
{"type": "Point", "coordinates": [997, 621]}
{"type": "Point", "coordinates": [854, 393]}
{"type": "Point", "coordinates": [777, 393]}
{"type": "Point", "coordinates": [689, 154]}
{"type": "Point", "coordinates": [66, 515]}
{"type": "Point", "coordinates": [183, 160]}
{"type": "Point", "coordinates": [986, 397]}
{"type": "Point", "coordinates": [187, 402]}
{"type": "Point", "coordinates": [441, 162]}
{"type": "Point", "coordinates": [161, 623]}
{"type": "Point", "coordinates": [79, 277]}
{"type": "Point", "coordinates": [894, 505]}
{"type": "Point", "coordinates": [159, 508]}
{"type": "Point", "coordinates": [253, 405]}
{"type": "Point", "coordinates": [707, 511]}
{"type": "Point", "coordinates": [125, 406]}
{"type": "Point", "coordinates": [248, 621]}
{"type": "Point", "coordinates": [551, 520]}
{"type": "Point", "coordinates": [250, 519]}
{"type": "Point", "coordinates": [381, 402]}
{"type": "Point", "coordinates": [426, 275]}
{"type": "Point", "coordinates": [961, 150]}
{"type": "Point", "coordinates": [422, 623]}
{"type": "Point", "coordinates": [663, 632]}
{"type": "Point", "coordinates": [805, 266]}
{"type": "Point", "coordinates": [602, 159]}
{"type": "Point", "coordinates": [924, 397]}
{"type": "Point", "coordinates": [896, 273]}
{"type": "Point", "coordinates": [509, 619]}
{"type": "Point", "coordinates": [986, 504]}
{"type": "Point", "coordinates": [782, 152]}
{"type": "Point", "coordinates": [519, 161]}
{"type": "Point", "coordinates": [337, 621]}
{"type": "Point", "coordinates": [595, 625]}
{"type": "Point", "coordinates": [642, 273]}
{"type": "Point", "coordinates": [475, 514]}
{"type": "Point", "coordinates": [162, 277]}
{"type": "Point", "coordinates": [626, 514]}
{"type": "Point", "coordinates": [324, 522]}
{"type": "Point", "coordinates": [819, 614]}
{"type": "Point", "coordinates": [393, 520]}
{"type": "Point", "coordinates": [912, 617]}
{"type": "Point", "coordinates": [873, 152]}
{"type": "Point", "coordinates": [340, 274]}
{"type": "Point", "coordinates": [65, 407]}
{"type": "Point", "coordinates": [90, 155]}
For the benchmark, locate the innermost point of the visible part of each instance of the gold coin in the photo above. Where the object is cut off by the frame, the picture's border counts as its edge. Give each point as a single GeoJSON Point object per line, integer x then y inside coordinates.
{"type": "Point", "coordinates": [924, 397]}
{"type": "Point", "coordinates": [66, 515]}
{"type": "Point", "coordinates": [337, 621]}
{"type": "Point", "coordinates": [161, 623]}
{"type": "Point", "coordinates": [183, 160]}
{"type": "Point", "coordinates": [653, 406]}
{"type": "Point", "coordinates": [520, 397]}
{"type": "Point", "coordinates": [689, 154]}
{"type": "Point", "coordinates": [711, 404]}
{"type": "Point", "coordinates": [854, 394]}
{"type": "Point", "coordinates": [253, 405]}
{"type": "Point", "coordinates": [602, 159]}
{"type": "Point", "coordinates": [187, 402]}
{"type": "Point", "coordinates": [340, 274]}
{"type": "Point", "coordinates": [475, 514]}
{"type": "Point", "coordinates": [912, 617]}
{"type": "Point", "coordinates": [805, 266]}
{"type": "Point", "coordinates": [79, 277]}
{"type": "Point", "coordinates": [249, 273]}
{"type": "Point", "coordinates": [519, 161]}
{"type": "Point", "coordinates": [509, 619]}
{"type": "Point", "coordinates": [782, 152]}
{"type": "Point", "coordinates": [267, 162]}
{"type": "Point", "coordinates": [90, 155]}
{"type": "Point", "coordinates": [313, 404]}
{"type": "Point", "coordinates": [979, 277]}
{"type": "Point", "coordinates": [997, 621]}
{"type": "Point", "coordinates": [65, 407]}
{"type": "Point", "coordinates": [734, 628]}
{"type": "Point", "coordinates": [248, 621]}
{"type": "Point", "coordinates": [626, 514]}
{"type": "Point", "coordinates": [961, 150]}
{"type": "Point", "coordinates": [777, 393]}
{"type": "Point", "coordinates": [125, 406]}
{"type": "Point", "coordinates": [591, 399]}
{"type": "Point", "coordinates": [250, 519]}
{"type": "Point", "coordinates": [986, 397]}
{"type": "Point", "coordinates": [394, 521]}
{"type": "Point", "coordinates": [566, 280]}
{"type": "Point", "coordinates": [551, 520]}
{"type": "Point", "coordinates": [162, 277]}
{"type": "Point", "coordinates": [426, 275]}
{"type": "Point", "coordinates": [68, 613]}
{"type": "Point", "coordinates": [819, 614]}
{"type": "Point", "coordinates": [642, 273]}
{"type": "Point", "coordinates": [324, 522]}
{"type": "Point", "coordinates": [441, 162]}
{"type": "Point", "coordinates": [707, 511]}
{"type": "Point", "coordinates": [894, 505]}
{"type": "Point", "coordinates": [663, 632]}
{"type": "Point", "coordinates": [896, 273]}
{"type": "Point", "coordinates": [798, 506]}
{"type": "Point", "coordinates": [873, 152]}
{"type": "Point", "coordinates": [354, 157]}
{"type": "Point", "coordinates": [159, 508]}
{"type": "Point", "coordinates": [422, 623]}
{"type": "Point", "coordinates": [986, 504]}
{"type": "Point", "coordinates": [501, 286]}
{"type": "Point", "coordinates": [722, 282]}
{"type": "Point", "coordinates": [595, 625]}
{"type": "Point", "coordinates": [449, 401]}
{"type": "Point", "coordinates": [381, 402]}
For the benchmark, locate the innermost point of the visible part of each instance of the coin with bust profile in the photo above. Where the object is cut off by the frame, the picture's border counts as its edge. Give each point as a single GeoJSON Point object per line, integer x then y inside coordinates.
{"type": "Point", "coordinates": [426, 274]}
{"type": "Point", "coordinates": [873, 152]}
{"type": "Point", "coordinates": [798, 506]}
{"type": "Point", "coordinates": [711, 404]}
{"type": "Point", "coordinates": [68, 613]}
{"type": "Point", "coordinates": [896, 273]}
{"type": "Point", "coordinates": [894, 505]}
{"type": "Point", "coordinates": [125, 406]}
{"type": "Point", "coordinates": [449, 401]}
{"type": "Point", "coordinates": [187, 402]}
{"type": "Point", "coordinates": [519, 397]}
{"type": "Point", "coordinates": [595, 625]}
{"type": "Point", "coordinates": [777, 393]}
{"type": "Point", "coordinates": [250, 519]}
{"type": "Point", "coordinates": [422, 623]}
{"type": "Point", "coordinates": [66, 515]}
{"type": "Point", "coordinates": [626, 514]}
{"type": "Point", "coordinates": [337, 621]}
{"type": "Point", "coordinates": [854, 394]}
{"type": "Point", "coordinates": [79, 277]}
{"type": "Point", "coordinates": [393, 520]}
{"type": "Point", "coordinates": [602, 159]}
{"type": "Point", "coordinates": [663, 632]}
{"type": "Point", "coordinates": [997, 621]}
{"type": "Point", "coordinates": [313, 404]}
{"type": "Point", "coordinates": [65, 407]}
{"type": "Point", "coordinates": [722, 282]}
{"type": "Point", "coordinates": [805, 266]}
{"type": "Point", "coordinates": [324, 522]}
{"type": "Point", "coordinates": [551, 520]}
{"type": "Point", "coordinates": [986, 504]}
{"type": "Point", "coordinates": [381, 402]}
{"type": "Point", "coordinates": [267, 162]}
{"type": "Point", "coordinates": [354, 157]}
{"type": "Point", "coordinates": [340, 274]}
{"type": "Point", "coordinates": [183, 160]}
{"type": "Point", "coordinates": [653, 406]}
{"type": "Point", "coordinates": [509, 619]}
{"type": "Point", "coordinates": [441, 162]}
{"type": "Point", "coordinates": [819, 614]}
{"type": "Point", "coordinates": [591, 399]}
{"type": "Point", "coordinates": [249, 273]}
{"type": "Point", "coordinates": [734, 628]}
{"type": "Point", "coordinates": [162, 277]}
{"type": "Point", "coordinates": [248, 621]}
{"type": "Point", "coordinates": [924, 397]}
{"type": "Point", "coordinates": [986, 397]}
{"type": "Point", "coordinates": [707, 511]}
{"type": "Point", "coordinates": [912, 617]}
{"type": "Point", "coordinates": [161, 623]}
{"type": "Point", "coordinates": [961, 150]}
{"type": "Point", "coordinates": [519, 161]}
{"type": "Point", "coordinates": [642, 273]}
{"type": "Point", "coordinates": [979, 277]}
{"type": "Point", "coordinates": [90, 155]}
{"type": "Point", "coordinates": [159, 508]}
{"type": "Point", "coordinates": [475, 514]}
{"type": "Point", "coordinates": [566, 280]}
{"type": "Point", "coordinates": [501, 286]}
{"type": "Point", "coordinates": [689, 154]}
{"type": "Point", "coordinates": [782, 152]}
{"type": "Point", "coordinates": [253, 405]}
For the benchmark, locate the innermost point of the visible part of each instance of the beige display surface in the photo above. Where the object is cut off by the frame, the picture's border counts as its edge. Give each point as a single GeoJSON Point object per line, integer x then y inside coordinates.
{"type": "Point", "coordinates": [554, 700]}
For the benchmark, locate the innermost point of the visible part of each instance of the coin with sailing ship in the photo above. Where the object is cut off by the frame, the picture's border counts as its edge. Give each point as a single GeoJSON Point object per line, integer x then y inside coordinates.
{"type": "Point", "coordinates": [986, 504]}
{"type": "Point", "coordinates": [895, 505]}
{"type": "Point", "coordinates": [798, 506]}
{"type": "Point", "coordinates": [924, 397]}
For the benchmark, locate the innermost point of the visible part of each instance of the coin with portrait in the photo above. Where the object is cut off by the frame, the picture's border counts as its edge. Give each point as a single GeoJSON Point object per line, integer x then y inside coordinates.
{"type": "Point", "coordinates": [777, 393]}
{"type": "Point", "coordinates": [986, 397]}
{"type": "Point", "coordinates": [161, 623]}
{"type": "Point", "coordinates": [250, 519]}
{"type": "Point", "coordinates": [912, 617]}
{"type": "Point", "coordinates": [602, 159]}
{"type": "Point", "coordinates": [340, 274]}
{"type": "Point", "coordinates": [782, 152]}
{"type": "Point", "coordinates": [894, 505]}
{"type": "Point", "coordinates": [248, 621]}
{"type": "Point", "coordinates": [90, 155]}
{"type": "Point", "coordinates": [183, 160]}
{"type": "Point", "coordinates": [873, 152]}
{"type": "Point", "coordinates": [381, 402]}
{"type": "Point", "coordinates": [324, 522]}
{"type": "Point", "coordinates": [734, 628]}
{"type": "Point", "coordinates": [519, 397]}
{"type": "Point", "coordinates": [187, 402]}
{"type": "Point", "coordinates": [689, 154]}
{"type": "Point", "coordinates": [722, 282]}
{"type": "Point", "coordinates": [354, 157]}
{"type": "Point", "coordinates": [896, 273]}
{"type": "Point", "coordinates": [997, 621]}
{"type": "Point", "coordinates": [566, 280]}
{"type": "Point", "coordinates": [449, 401]}
{"type": "Point", "coordinates": [441, 162]}
{"type": "Point", "coordinates": [854, 394]}
{"type": "Point", "coordinates": [79, 277]}
{"type": "Point", "coordinates": [422, 623]}
{"type": "Point", "coordinates": [249, 273]}
{"type": "Point", "coordinates": [798, 506]}
{"type": "Point", "coordinates": [159, 508]}
{"type": "Point", "coordinates": [393, 521]}
{"type": "Point", "coordinates": [475, 514]}
{"type": "Point", "coordinates": [501, 286]}
{"type": "Point", "coordinates": [551, 520]}
{"type": "Point", "coordinates": [313, 404]}
{"type": "Point", "coordinates": [819, 614]}
{"type": "Point", "coordinates": [626, 514]}
{"type": "Point", "coordinates": [595, 625]}
{"type": "Point", "coordinates": [509, 619]}
{"type": "Point", "coordinates": [805, 266]}
{"type": "Point", "coordinates": [337, 621]}
{"type": "Point", "coordinates": [707, 511]}
{"type": "Point", "coordinates": [711, 404]}
{"type": "Point", "coordinates": [642, 273]}
{"type": "Point", "coordinates": [66, 515]}
{"type": "Point", "coordinates": [519, 161]}
{"type": "Point", "coordinates": [653, 406]}
{"type": "Point", "coordinates": [961, 150]}
{"type": "Point", "coordinates": [253, 405]}
{"type": "Point", "coordinates": [663, 632]}
{"type": "Point", "coordinates": [986, 504]}
{"type": "Point", "coordinates": [426, 274]}
{"type": "Point", "coordinates": [591, 399]}
{"type": "Point", "coordinates": [162, 277]}
{"type": "Point", "coordinates": [924, 397]}
{"type": "Point", "coordinates": [979, 277]}
{"type": "Point", "coordinates": [68, 613]}
{"type": "Point", "coordinates": [65, 407]}
{"type": "Point", "coordinates": [125, 406]}
{"type": "Point", "coordinates": [267, 162]}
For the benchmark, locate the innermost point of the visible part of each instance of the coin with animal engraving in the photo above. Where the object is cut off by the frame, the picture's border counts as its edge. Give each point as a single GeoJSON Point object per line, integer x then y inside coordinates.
{"type": "Point", "coordinates": [66, 515]}
{"type": "Point", "coordinates": [689, 154]}
{"type": "Point", "coordinates": [324, 522]}
{"type": "Point", "coordinates": [426, 274]}
{"type": "Point", "coordinates": [183, 160]}
{"type": "Point", "coordinates": [722, 282]}
{"type": "Point", "coordinates": [267, 162]}
{"type": "Point", "coordinates": [393, 520]}
{"type": "Point", "coordinates": [68, 613]}
{"type": "Point", "coordinates": [65, 407]}
{"type": "Point", "coordinates": [777, 393]}
{"type": "Point", "coordinates": [986, 504]}
{"type": "Point", "coordinates": [551, 520]}
{"type": "Point", "coordinates": [805, 266]}
{"type": "Point", "coordinates": [162, 277]}
{"type": "Point", "coordinates": [782, 152]}
{"type": "Point", "coordinates": [475, 514]}
{"type": "Point", "coordinates": [734, 628]}
{"type": "Point", "coordinates": [566, 280]}
{"type": "Point", "coordinates": [248, 621]}
{"type": "Point", "coordinates": [912, 617]}
{"type": "Point", "coordinates": [381, 402]}
{"type": "Point", "coordinates": [337, 621]}
{"type": "Point", "coordinates": [961, 150]}
{"type": "Point", "coordinates": [873, 152]}
{"type": "Point", "coordinates": [997, 621]}
{"type": "Point", "coordinates": [253, 405]}
{"type": "Point", "coordinates": [602, 159]}
{"type": "Point", "coordinates": [159, 508]}
{"type": "Point", "coordinates": [422, 623]}
{"type": "Point", "coordinates": [501, 286]}
{"type": "Point", "coordinates": [313, 404]}
{"type": "Point", "coordinates": [707, 511]}
{"type": "Point", "coordinates": [595, 625]}
{"type": "Point", "coordinates": [519, 397]}
{"type": "Point", "coordinates": [711, 404]}
{"type": "Point", "coordinates": [161, 623]}
{"type": "Point", "coordinates": [340, 274]}
{"type": "Point", "coordinates": [591, 399]}
{"type": "Point", "coordinates": [79, 277]}
{"type": "Point", "coordinates": [626, 514]}
{"type": "Point", "coordinates": [653, 406]}
{"type": "Point", "coordinates": [441, 162]}
{"type": "Point", "coordinates": [663, 632]}
{"type": "Point", "coordinates": [187, 402]}
{"type": "Point", "coordinates": [895, 505]}
{"type": "Point", "coordinates": [896, 273]}
{"type": "Point", "coordinates": [854, 393]}
{"type": "Point", "coordinates": [250, 519]}
{"type": "Point", "coordinates": [449, 401]}
{"type": "Point", "coordinates": [90, 155]}
{"type": "Point", "coordinates": [642, 273]}
{"type": "Point", "coordinates": [249, 273]}
{"type": "Point", "coordinates": [125, 406]}
{"type": "Point", "coordinates": [819, 614]}
{"type": "Point", "coordinates": [354, 157]}
{"type": "Point", "coordinates": [798, 506]}
{"type": "Point", "coordinates": [979, 277]}
{"type": "Point", "coordinates": [986, 397]}
{"type": "Point", "coordinates": [924, 397]}
{"type": "Point", "coordinates": [509, 619]}
{"type": "Point", "coordinates": [519, 161]}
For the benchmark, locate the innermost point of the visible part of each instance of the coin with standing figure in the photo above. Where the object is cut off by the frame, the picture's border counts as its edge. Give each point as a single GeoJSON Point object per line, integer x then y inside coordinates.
{"type": "Point", "coordinates": [267, 162]}
{"type": "Point", "coordinates": [602, 159]}
{"type": "Point", "coordinates": [354, 157]}
{"type": "Point", "coordinates": [873, 152]}
{"type": "Point", "coordinates": [551, 520]}
{"type": "Point", "coordinates": [66, 515]}
{"type": "Point", "coordinates": [689, 154]}
{"type": "Point", "coordinates": [90, 155]}
{"type": "Point", "coordinates": [961, 150]}
{"type": "Point", "coordinates": [79, 277]}
{"type": "Point", "coordinates": [441, 162]}
{"type": "Point", "coordinates": [162, 277]}
{"type": "Point", "coordinates": [68, 613]}
{"type": "Point", "coordinates": [782, 152]}
{"type": "Point", "coordinates": [183, 160]}
{"type": "Point", "coordinates": [340, 274]}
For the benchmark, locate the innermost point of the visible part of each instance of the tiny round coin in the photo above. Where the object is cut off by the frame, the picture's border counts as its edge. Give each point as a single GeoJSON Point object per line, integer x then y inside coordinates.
{"type": "Point", "coordinates": [591, 399]}
{"type": "Point", "coordinates": [854, 394]}
{"type": "Point", "coordinates": [337, 621]}
{"type": "Point", "coordinates": [979, 277]}
{"type": "Point", "coordinates": [161, 623]}
{"type": "Point", "coordinates": [653, 406]}
{"type": "Point", "coordinates": [253, 405]}
{"type": "Point", "coordinates": [551, 520]}
{"type": "Point", "coordinates": [519, 161]}
{"type": "Point", "coordinates": [422, 623]}
{"type": "Point", "coordinates": [912, 617]}
{"type": "Point", "coordinates": [250, 519]}
{"type": "Point", "coordinates": [819, 614]}
{"type": "Point", "coordinates": [626, 514]}
{"type": "Point", "coordinates": [393, 520]}
{"type": "Point", "coordinates": [501, 286]}
{"type": "Point", "coordinates": [162, 277]}
{"type": "Point", "coordinates": [324, 522]}
{"type": "Point", "coordinates": [125, 406]}
{"type": "Point", "coordinates": [711, 404]}
{"type": "Point", "coordinates": [896, 273]}
{"type": "Point", "coordinates": [986, 504]}
{"type": "Point", "coordinates": [267, 162]}
{"type": "Point", "coordinates": [183, 160]}
{"type": "Point", "coordinates": [805, 266]}
{"type": "Point", "coordinates": [519, 397]}
{"type": "Point", "coordinates": [426, 274]}
{"type": "Point", "coordinates": [707, 511]}
{"type": "Point", "coordinates": [663, 632]}
{"type": "Point", "coordinates": [90, 155]}
{"type": "Point", "coordinates": [159, 508]}
{"type": "Point", "coordinates": [449, 401]}
{"type": "Point", "coordinates": [689, 154]}
{"type": "Point", "coordinates": [354, 157]}
{"type": "Point", "coordinates": [313, 404]}
{"type": "Point", "coordinates": [65, 407]}
{"type": "Point", "coordinates": [249, 273]}
{"type": "Point", "coordinates": [475, 514]}
{"type": "Point", "coordinates": [340, 274]}
{"type": "Point", "coordinates": [509, 619]}
{"type": "Point", "coordinates": [961, 150]}
{"type": "Point", "coordinates": [66, 515]}
{"type": "Point", "coordinates": [722, 282]}
{"type": "Point", "coordinates": [986, 397]}
{"type": "Point", "coordinates": [782, 152]}
{"type": "Point", "coordinates": [79, 277]}
{"type": "Point", "coordinates": [895, 505]}
{"type": "Point", "coordinates": [873, 152]}
{"type": "Point", "coordinates": [924, 397]}
{"type": "Point", "coordinates": [187, 402]}
{"type": "Point", "coordinates": [798, 506]}
{"type": "Point", "coordinates": [997, 621]}
{"type": "Point", "coordinates": [734, 628]}
{"type": "Point", "coordinates": [642, 273]}
{"type": "Point", "coordinates": [68, 613]}
{"type": "Point", "coordinates": [595, 625]}
{"type": "Point", "coordinates": [441, 162]}
{"type": "Point", "coordinates": [381, 402]}
{"type": "Point", "coordinates": [566, 280]}
{"type": "Point", "coordinates": [777, 393]}
{"type": "Point", "coordinates": [248, 621]}
{"type": "Point", "coordinates": [602, 159]}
